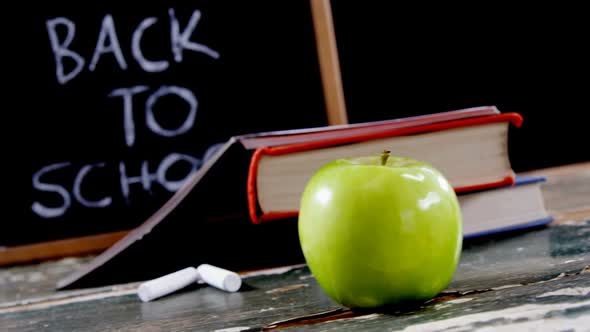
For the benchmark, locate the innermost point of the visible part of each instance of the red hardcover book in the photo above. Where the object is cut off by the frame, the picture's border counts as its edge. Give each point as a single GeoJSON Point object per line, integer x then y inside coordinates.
{"type": "Point", "coordinates": [258, 177]}
{"type": "Point", "coordinates": [470, 151]}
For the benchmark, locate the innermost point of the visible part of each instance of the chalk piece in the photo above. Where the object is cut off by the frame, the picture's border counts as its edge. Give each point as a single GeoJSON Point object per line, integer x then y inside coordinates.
{"type": "Point", "coordinates": [220, 278]}
{"type": "Point", "coordinates": [167, 284]}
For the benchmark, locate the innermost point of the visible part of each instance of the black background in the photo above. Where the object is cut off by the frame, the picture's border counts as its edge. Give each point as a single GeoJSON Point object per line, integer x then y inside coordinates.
{"type": "Point", "coordinates": [399, 60]}
{"type": "Point", "coordinates": [396, 61]}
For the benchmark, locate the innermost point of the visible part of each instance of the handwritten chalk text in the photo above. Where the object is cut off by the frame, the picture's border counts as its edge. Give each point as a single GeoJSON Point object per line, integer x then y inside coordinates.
{"type": "Point", "coordinates": [108, 43]}
{"type": "Point", "coordinates": [138, 101]}
{"type": "Point", "coordinates": [130, 181]}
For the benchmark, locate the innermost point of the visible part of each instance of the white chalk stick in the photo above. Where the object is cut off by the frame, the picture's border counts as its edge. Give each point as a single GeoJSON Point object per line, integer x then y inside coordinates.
{"type": "Point", "coordinates": [167, 284]}
{"type": "Point", "coordinates": [217, 277]}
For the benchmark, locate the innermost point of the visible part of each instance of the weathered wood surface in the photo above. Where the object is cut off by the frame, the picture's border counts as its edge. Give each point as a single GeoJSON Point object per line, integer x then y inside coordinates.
{"type": "Point", "coordinates": [562, 304]}
{"type": "Point", "coordinates": [567, 189]}
{"type": "Point", "coordinates": [22, 283]}
{"type": "Point", "coordinates": [494, 279]}
{"type": "Point", "coordinates": [535, 280]}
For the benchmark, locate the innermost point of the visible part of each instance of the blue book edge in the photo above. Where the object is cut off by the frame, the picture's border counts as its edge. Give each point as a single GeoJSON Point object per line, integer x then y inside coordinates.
{"type": "Point", "coordinates": [513, 228]}
{"type": "Point", "coordinates": [520, 180]}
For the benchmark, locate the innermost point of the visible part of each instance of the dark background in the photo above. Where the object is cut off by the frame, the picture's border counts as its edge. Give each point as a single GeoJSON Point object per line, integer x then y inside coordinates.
{"type": "Point", "coordinates": [395, 62]}
{"type": "Point", "coordinates": [399, 60]}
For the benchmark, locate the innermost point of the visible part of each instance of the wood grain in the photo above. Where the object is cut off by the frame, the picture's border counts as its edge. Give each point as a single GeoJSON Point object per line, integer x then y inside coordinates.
{"type": "Point", "coordinates": [567, 190]}
{"type": "Point", "coordinates": [329, 62]}
{"type": "Point", "coordinates": [85, 245]}
{"type": "Point", "coordinates": [496, 275]}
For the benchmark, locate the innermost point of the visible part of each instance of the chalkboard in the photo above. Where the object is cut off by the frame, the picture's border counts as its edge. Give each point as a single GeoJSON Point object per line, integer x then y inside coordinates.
{"type": "Point", "coordinates": [403, 59]}
{"type": "Point", "coordinates": [124, 100]}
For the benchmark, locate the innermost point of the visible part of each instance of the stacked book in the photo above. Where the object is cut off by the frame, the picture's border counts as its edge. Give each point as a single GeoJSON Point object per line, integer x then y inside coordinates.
{"type": "Point", "coordinates": [469, 147]}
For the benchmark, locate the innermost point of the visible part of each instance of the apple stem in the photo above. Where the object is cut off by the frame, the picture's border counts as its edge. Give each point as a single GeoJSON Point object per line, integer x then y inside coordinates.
{"type": "Point", "coordinates": [384, 157]}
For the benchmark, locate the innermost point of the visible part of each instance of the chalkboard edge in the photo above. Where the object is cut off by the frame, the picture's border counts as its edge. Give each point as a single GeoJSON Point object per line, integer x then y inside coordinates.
{"type": "Point", "coordinates": [49, 250]}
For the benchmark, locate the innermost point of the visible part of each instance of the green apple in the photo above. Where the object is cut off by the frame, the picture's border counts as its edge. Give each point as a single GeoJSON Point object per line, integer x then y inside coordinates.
{"type": "Point", "coordinates": [380, 230]}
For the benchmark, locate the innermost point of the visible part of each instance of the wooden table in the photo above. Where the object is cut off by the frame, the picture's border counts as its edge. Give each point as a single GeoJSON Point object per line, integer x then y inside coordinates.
{"type": "Point", "coordinates": [536, 280]}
